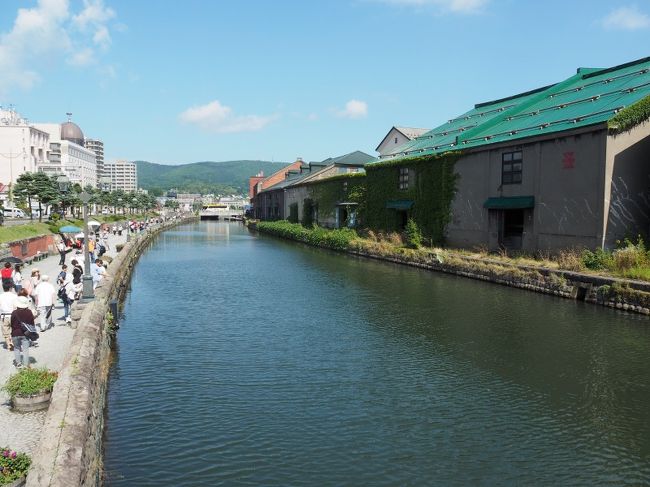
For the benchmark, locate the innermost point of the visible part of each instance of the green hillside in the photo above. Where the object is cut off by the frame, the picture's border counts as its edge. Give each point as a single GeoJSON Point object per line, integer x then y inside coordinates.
{"type": "Point", "coordinates": [226, 177]}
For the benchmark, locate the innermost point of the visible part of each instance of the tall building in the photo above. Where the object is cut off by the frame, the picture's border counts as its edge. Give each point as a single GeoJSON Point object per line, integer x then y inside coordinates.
{"type": "Point", "coordinates": [123, 174]}
{"type": "Point", "coordinates": [68, 155]}
{"type": "Point", "coordinates": [22, 146]}
{"type": "Point", "coordinates": [97, 146]}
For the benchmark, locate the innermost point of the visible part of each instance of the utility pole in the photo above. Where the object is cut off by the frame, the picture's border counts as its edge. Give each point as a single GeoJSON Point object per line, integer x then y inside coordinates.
{"type": "Point", "coordinates": [11, 157]}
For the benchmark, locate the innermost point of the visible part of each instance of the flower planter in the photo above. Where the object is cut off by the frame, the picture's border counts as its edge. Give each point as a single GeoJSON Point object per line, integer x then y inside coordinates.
{"type": "Point", "coordinates": [35, 402]}
{"type": "Point", "coordinates": [17, 483]}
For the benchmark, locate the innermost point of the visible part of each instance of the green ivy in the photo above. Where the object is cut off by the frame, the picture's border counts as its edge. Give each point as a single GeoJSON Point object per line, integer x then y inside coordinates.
{"type": "Point", "coordinates": [327, 193]}
{"type": "Point", "coordinates": [432, 193]}
{"type": "Point", "coordinates": [630, 116]}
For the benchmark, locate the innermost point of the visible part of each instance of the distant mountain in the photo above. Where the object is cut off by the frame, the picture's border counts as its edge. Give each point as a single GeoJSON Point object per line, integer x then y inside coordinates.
{"type": "Point", "coordinates": [203, 177]}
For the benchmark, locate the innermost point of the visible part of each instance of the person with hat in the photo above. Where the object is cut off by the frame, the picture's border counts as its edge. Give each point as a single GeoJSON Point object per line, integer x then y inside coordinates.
{"type": "Point", "coordinates": [45, 295]}
{"type": "Point", "coordinates": [21, 314]}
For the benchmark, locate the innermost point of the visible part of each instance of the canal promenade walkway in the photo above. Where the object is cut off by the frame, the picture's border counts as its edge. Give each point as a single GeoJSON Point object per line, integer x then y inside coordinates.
{"type": "Point", "coordinates": [22, 431]}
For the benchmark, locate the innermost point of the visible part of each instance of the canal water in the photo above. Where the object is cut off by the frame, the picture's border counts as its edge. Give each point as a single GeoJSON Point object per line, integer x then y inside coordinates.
{"type": "Point", "coordinates": [245, 360]}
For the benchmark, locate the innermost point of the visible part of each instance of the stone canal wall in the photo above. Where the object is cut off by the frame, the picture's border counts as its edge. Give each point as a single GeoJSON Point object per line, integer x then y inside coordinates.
{"type": "Point", "coordinates": [70, 450]}
{"type": "Point", "coordinates": [627, 295]}
{"type": "Point", "coordinates": [623, 294]}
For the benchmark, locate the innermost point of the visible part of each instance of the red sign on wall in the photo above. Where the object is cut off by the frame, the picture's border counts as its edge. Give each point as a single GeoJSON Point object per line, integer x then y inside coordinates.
{"type": "Point", "coordinates": [568, 160]}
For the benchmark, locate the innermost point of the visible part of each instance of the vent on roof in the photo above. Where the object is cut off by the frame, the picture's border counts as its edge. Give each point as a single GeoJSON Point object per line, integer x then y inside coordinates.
{"type": "Point", "coordinates": [544, 125]}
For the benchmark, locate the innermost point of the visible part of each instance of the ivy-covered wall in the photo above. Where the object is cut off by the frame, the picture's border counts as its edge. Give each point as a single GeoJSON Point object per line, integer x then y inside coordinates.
{"type": "Point", "coordinates": [327, 193]}
{"type": "Point", "coordinates": [432, 185]}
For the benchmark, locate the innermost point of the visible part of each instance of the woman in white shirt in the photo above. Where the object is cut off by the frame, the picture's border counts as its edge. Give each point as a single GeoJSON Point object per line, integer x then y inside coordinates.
{"type": "Point", "coordinates": [18, 278]}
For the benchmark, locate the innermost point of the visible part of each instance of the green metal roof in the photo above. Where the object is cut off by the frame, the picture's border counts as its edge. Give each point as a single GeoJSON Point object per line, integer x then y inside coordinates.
{"type": "Point", "coordinates": [510, 203]}
{"type": "Point", "coordinates": [589, 97]}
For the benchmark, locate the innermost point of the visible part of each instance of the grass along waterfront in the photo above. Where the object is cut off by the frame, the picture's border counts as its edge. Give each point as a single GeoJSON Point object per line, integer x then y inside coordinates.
{"type": "Point", "coordinates": [543, 272]}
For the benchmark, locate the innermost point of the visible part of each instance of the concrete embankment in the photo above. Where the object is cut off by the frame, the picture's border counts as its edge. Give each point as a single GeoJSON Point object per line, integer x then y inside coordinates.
{"type": "Point", "coordinates": [70, 450]}
{"type": "Point", "coordinates": [624, 294]}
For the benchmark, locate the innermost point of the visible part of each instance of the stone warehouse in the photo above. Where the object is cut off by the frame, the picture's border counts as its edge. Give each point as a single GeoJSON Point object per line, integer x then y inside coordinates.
{"type": "Point", "coordinates": [565, 165]}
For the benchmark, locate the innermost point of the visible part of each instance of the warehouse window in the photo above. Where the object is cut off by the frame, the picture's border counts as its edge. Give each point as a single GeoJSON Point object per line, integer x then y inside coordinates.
{"type": "Point", "coordinates": [511, 166]}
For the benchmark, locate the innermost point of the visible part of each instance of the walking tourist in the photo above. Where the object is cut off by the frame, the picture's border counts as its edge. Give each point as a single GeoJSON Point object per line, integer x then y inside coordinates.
{"type": "Point", "coordinates": [60, 279]}
{"type": "Point", "coordinates": [18, 278]}
{"type": "Point", "coordinates": [31, 282]}
{"type": "Point", "coordinates": [45, 297]}
{"type": "Point", "coordinates": [67, 293]}
{"type": "Point", "coordinates": [91, 249]}
{"type": "Point", "coordinates": [7, 306]}
{"type": "Point", "coordinates": [98, 271]}
{"type": "Point", "coordinates": [6, 273]}
{"type": "Point", "coordinates": [20, 342]}
{"type": "Point", "coordinates": [77, 271]}
{"type": "Point", "coordinates": [60, 246]}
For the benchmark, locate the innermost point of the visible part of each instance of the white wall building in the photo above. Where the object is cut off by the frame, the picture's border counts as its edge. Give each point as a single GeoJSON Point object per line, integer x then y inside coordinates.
{"type": "Point", "coordinates": [22, 146]}
{"type": "Point", "coordinates": [68, 154]}
{"type": "Point", "coordinates": [97, 146]}
{"type": "Point", "coordinates": [123, 174]}
{"type": "Point", "coordinates": [397, 136]}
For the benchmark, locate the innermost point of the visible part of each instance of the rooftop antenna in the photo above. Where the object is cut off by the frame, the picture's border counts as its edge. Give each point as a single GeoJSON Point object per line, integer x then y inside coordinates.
{"type": "Point", "coordinates": [69, 114]}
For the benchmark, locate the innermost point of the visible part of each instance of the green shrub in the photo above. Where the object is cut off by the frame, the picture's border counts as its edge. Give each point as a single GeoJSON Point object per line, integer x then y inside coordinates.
{"type": "Point", "coordinates": [413, 234]}
{"type": "Point", "coordinates": [30, 381]}
{"type": "Point", "coordinates": [339, 239]}
{"type": "Point", "coordinates": [597, 260]}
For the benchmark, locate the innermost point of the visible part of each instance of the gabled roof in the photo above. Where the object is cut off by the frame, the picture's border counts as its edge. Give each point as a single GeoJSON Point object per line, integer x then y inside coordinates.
{"type": "Point", "coordinates": [411, 132]}
{"type": "Point", "coordinates": [408, 132]}
{"type": "Point", "coordinates": [355, 158]}
{"type": "Point", "coordinates": [590, 97]}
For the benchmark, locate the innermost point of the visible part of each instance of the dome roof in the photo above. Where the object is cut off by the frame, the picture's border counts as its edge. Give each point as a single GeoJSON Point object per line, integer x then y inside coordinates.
{"type": "Point", "coordinates": [71, 131]}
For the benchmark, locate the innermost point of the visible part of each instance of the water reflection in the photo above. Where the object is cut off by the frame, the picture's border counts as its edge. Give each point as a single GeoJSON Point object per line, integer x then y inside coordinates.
{"type": "Point", "coordinates": [246, 360]}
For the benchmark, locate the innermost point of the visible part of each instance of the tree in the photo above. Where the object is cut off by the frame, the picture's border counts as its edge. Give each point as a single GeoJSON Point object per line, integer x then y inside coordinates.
{"type": "Point", "coordinates": [47, 191]}
{"type": "Point", "coordinates": [36, 186]}
{"type": "Point", "coordinates": [24, 190]}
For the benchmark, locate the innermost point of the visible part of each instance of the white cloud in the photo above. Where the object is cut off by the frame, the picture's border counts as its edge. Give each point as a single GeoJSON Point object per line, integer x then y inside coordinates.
{"type": "Point", "coordinates": [49, 32]}
{"type": "Point", "coordinates": [456, 6]}
{"type": "Point", "coordinates": [626, 18]}
{"type": "Point", "coordinates": [83, 57]}
{"type": "Point", "coordinates": [354, 109]}
{"type": "Point", "coordinates": [93, 18]}
{"type": "Point", "coordinates": [217, 118]}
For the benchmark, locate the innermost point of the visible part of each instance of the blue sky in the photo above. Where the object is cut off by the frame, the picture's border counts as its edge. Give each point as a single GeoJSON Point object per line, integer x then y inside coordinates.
{"type": "Point", "coordinates": [193, 80]}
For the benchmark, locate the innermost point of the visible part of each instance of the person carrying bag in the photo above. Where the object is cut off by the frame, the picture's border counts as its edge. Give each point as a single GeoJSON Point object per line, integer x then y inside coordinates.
{"type": "Point", "coordinates": [22, 324]}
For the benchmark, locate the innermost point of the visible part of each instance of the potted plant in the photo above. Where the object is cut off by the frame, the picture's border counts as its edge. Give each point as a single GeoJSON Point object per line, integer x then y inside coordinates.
{"type": "Point", "coordinates": [31, 389]}
{"type": "Point", "coordinates": [13, 467]}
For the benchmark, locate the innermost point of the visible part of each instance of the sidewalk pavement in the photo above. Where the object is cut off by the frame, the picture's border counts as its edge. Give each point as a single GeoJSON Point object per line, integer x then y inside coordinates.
{"type": "Point", "coordinates": [21, 431]}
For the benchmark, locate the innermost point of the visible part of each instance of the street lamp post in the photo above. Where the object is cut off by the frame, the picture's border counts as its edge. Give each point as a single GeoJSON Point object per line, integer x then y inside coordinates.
{"type": "Point", "coordinates": [87, 289]}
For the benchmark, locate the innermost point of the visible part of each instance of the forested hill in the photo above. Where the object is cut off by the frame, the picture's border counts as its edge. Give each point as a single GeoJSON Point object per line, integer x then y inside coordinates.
{"type": "Point", "coordinates": [226, 177]}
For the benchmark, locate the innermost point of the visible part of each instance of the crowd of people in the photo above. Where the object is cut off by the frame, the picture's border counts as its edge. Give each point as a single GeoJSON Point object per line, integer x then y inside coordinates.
{"type": "Point", "coordinates": [29, 300]}
{"type": "Point", "coordinates": [26, 298]}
